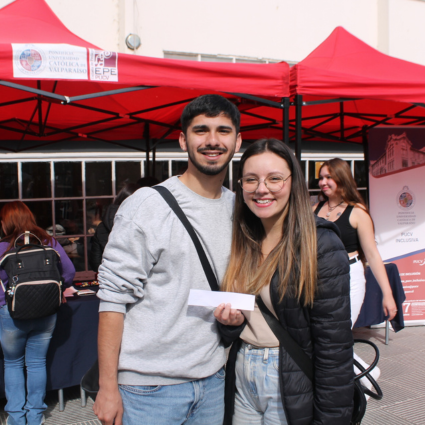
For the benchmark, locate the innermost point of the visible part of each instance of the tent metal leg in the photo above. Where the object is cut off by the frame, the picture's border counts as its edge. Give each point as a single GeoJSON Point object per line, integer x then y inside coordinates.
{"type": "Point", "coordinates": [298, 125]}
{"type": "Point", "coordinates": [387, 332]}
{"type": "Point", "coordinates": [285, 135]}
{"type": "Point", "coordinates": [83, 397]}
{"type": "Point", "coordinates": [61, 402]}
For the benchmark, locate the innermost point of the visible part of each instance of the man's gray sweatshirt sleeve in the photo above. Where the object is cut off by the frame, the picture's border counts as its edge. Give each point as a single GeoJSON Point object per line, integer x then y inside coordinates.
{"type": "Point", "coordinates": [126, 264]}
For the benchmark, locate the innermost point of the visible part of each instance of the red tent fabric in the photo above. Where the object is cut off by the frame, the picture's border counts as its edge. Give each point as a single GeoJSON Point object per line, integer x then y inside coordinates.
{"type": "Point", "coordinates": [383, 89]}
{"type": "Point", "coordinates": [171, 84]}
{"type": "Point", "coordinates": [344, 66]}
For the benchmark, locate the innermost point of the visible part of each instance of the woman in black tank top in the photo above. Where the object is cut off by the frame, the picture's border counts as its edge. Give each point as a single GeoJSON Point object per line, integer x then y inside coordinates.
{"type": "Point", "coordinates": [342, 204]}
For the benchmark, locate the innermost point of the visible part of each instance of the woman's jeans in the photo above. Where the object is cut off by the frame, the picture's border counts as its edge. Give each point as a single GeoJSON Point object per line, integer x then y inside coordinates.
{"type": "Point", "coordinates": [258, 400]}
{"type": "Point", "coordinates": [25, 341]}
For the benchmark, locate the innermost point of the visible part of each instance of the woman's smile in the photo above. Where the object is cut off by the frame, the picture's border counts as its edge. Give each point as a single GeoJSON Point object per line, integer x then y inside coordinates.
{"type": "Point", "coordinates": [263, 203]}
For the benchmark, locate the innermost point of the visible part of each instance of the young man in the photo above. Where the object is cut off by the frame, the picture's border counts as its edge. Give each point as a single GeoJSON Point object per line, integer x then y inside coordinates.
{"type": "Point", "coordinates": [160, 360]}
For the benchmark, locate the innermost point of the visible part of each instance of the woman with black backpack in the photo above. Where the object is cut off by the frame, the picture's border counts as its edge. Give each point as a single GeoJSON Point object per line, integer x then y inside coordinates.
{"type": "Point", "coordinates": [26, 341]}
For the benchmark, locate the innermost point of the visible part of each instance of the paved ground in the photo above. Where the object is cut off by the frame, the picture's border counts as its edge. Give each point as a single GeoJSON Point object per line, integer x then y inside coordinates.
{"type": "Point", "coordinates": [402, 381]}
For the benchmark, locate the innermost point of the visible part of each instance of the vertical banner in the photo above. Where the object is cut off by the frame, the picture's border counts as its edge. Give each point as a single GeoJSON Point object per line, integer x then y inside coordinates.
{"type": "Point", "coordinates": [397, 205]}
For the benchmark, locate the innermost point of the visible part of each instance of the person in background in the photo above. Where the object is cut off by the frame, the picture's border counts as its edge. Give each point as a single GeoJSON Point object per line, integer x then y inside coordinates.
{"type": "Point", "coordinates": [101, 235]}
{"type": "Point", "coordinates": [25, 342]}
{"type": "Point", "coordinates": [298, 265]}
{"type": "Point", "coordinates": [341, 203]}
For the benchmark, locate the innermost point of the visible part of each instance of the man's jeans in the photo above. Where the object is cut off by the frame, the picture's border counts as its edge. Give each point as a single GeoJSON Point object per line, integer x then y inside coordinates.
{"type": "Point", "coordinates": [25, 341]}
{"type": "Point", "coordinates": [198, 402]}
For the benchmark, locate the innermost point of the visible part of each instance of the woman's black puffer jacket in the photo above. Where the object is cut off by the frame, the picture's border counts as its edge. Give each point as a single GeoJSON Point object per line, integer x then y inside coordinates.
{"type": "Point", "coordinates": [323, 331]}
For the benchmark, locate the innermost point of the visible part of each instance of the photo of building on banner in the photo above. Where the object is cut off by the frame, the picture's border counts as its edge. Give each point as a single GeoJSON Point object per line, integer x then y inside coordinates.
{"type": "Point", "coordinates": [397, 205]}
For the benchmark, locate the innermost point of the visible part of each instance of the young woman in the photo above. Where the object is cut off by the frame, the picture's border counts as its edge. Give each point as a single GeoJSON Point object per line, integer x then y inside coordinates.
{"type": "Point", "coordinates": [25, 341]}
{"type": "Point", "coordinates": [342, 204]}
{"type": "Point", "coordinates": [299, 267]}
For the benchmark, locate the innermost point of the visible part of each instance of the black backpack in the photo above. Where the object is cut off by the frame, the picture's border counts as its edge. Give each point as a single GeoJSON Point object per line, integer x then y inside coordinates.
{"type": "Point", "coordinates": [35, 281]}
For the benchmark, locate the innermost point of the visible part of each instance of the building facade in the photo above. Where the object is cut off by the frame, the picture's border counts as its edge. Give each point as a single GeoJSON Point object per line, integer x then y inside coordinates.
{"type": "Point", "coordinates": [399, 154]}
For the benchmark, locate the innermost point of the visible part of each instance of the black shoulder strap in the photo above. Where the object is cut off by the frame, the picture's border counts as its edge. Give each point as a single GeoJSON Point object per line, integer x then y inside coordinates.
{"type": "Point", "coordinates": [288, 343]}
{"type": "Point", "coordinates": [319, 207]}
{"type": "Point", "coordinates": [171, 201]}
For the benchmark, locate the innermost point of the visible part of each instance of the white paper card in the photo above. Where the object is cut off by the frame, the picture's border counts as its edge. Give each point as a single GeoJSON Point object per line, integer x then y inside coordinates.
{"type": "Point", "coordinates": [215, 298]}
{"type": "Point", "coordinates": [69, 292]}
{"type": "Point", "coordinates": [86, 292]}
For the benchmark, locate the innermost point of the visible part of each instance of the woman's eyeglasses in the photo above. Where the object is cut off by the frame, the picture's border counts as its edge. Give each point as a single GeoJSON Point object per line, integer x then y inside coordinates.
{"type": "Point", "coordinates": [273, 183]}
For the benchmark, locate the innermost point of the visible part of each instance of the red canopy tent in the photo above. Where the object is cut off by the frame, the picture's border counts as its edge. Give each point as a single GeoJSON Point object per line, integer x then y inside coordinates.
{"type": "Point", "coordinates": [345, 87]}
{"type": "Point", "coordinates": [41, 100]}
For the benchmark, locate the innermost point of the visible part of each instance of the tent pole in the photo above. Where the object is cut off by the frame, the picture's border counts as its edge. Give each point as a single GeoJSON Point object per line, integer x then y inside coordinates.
{"type": "Point", "coordinates": [341, 119]}
{"type": "Point", "coordinates": [285, 127]}
{"type": "Point", "coordinates": [146, 137]}
{"type": "Point", "coordinates": [40, 111]}
{"type": "Point", "coordinates": [366, 159]}
{"type": "Point", "coordinates": [298, 123]}
{"type": "Point", "coordinates": [153, 160]}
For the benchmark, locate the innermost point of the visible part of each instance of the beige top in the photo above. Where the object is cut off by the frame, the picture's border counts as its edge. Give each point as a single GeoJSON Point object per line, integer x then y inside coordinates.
{"type": "Point", "coordinates": [257, 332]}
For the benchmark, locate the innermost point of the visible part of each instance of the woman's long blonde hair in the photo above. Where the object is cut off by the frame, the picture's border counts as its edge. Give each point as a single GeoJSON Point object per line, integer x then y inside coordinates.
{"type": "Point", "coordinates": [295, 256]}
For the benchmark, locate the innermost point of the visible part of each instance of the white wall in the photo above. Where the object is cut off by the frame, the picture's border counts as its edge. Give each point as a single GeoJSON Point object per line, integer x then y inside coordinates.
{"type": "Point", "coordinates": [272, 29]}
{"type": "Point", "coordinates": [280, 29]}
{"type": "Point", "coordinates": [407, 30]}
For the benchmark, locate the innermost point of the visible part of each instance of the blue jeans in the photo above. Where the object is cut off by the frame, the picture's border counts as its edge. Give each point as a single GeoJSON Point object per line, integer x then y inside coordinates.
{"type": "Point", "coordinates": [25, 341]}
{"type": "Point", "coordinates": [258, 400]}
{"type": "Point", "coordinates": [197, 402]}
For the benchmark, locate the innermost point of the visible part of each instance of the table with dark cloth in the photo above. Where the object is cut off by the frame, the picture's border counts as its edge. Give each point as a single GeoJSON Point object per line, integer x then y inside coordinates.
{"type": "Point", "coordinates": [372, 312]}
{"type": "Point", "coordinates": [73, 348]}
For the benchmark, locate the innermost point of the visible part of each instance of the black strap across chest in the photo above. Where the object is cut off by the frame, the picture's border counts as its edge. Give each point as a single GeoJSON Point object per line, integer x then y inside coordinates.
{"type": "Point", "coordinates": [171, 201]}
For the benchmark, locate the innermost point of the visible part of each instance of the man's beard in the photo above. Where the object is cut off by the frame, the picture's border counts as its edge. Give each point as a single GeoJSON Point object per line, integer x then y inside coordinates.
{"type": "Point", "coordinates": [210, 170]}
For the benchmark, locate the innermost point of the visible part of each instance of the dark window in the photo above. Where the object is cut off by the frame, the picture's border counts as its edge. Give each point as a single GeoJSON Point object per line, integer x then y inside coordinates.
{"type": "Point", "coordinates": [360, 173]}
{"type": "Point", "coordinates": [9, 180]}
{"type": "Point", "coordinates": [313, 172]}
{"type": "Point", "coordinates": [303, 167]}
{"type": "Point", "coordinates": [42, 211]}
{"type": "Point", "coordinates": [69, 214]}
{"type": "Point", "coordinates": [178, 167]}
{"type": "Point", "coordinates": [68, 180]}
{"type": "Point", "coordinates": [226, 182]}
{"type": "Point", "coordinates": [365, 196]}
{"type": "Point", "coordinates": [98, 179]}
{"type": "Point", "coordinates": [235, 173]}
{"type": "Point", "coordinates": [160, 170]}
{"type": "Point", "coordinates": [126, 172]}
{"type": "Point", "coordinates": [36, 180]}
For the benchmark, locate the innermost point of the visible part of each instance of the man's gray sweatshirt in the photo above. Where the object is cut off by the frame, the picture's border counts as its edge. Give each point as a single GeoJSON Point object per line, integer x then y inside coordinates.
{"type": "Point", "coordinates": [149, 266]}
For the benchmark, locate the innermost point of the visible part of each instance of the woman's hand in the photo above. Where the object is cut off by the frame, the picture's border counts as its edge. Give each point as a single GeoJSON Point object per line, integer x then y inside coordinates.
{"type": "Point", "coordinates": [228, 316]}
{"type": "Point", "coordinates": [389, 306]}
